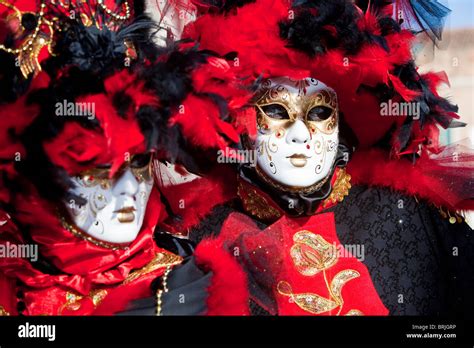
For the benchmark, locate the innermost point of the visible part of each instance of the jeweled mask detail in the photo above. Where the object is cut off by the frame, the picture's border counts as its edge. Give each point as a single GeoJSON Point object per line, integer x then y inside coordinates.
{"type": "Point", "coordinates": [115, 207]}
{"type": "Point", "coordinates": [298, 132]}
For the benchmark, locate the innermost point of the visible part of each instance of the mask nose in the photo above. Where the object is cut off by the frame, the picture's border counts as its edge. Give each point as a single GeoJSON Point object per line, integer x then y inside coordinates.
{"type": "Point", "coordinates": [298, 133]}
{"type": "Point", "coordinates": [126, 184]}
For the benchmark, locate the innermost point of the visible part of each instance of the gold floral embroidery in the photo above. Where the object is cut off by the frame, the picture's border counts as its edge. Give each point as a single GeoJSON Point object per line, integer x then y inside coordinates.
{"type": "Point", "coordinates": [161, 260]}
{"type": "Point", "coordinates": [340, 189]}
{"type": "Point", "coordinates": [312, 254]}
{"type": "Point", "coordinates": [3, 312]}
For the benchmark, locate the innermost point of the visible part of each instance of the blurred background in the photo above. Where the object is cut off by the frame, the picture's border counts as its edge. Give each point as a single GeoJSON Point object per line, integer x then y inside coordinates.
{"type": "Point", "coordinates": [455, 56]}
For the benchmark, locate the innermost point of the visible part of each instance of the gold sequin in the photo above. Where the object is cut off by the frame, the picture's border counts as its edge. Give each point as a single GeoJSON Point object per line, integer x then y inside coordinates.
{"type": "Point", "coordinates": [73, 302]}
{"type": "Point", "coordinates": [311, 253]}
{"type": "Point", "coordinates": [309, 302]}
{"type": "Point", "coordinates": [340, 189]}
{"type": "Point", "coordinates": [339, 281]}
{"type": "Point", "coordinates": [452, 217]}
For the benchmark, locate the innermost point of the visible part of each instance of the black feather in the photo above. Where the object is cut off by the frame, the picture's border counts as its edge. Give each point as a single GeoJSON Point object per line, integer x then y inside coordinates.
{"type": "Point", "coordinates": [309, 30]}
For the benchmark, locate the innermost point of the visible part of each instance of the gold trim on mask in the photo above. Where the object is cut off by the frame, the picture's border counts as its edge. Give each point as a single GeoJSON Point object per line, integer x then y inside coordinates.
{"type": "Point", "coordinates": [76, 231]}
{"type": "Point", "coordinates": [340, 189]}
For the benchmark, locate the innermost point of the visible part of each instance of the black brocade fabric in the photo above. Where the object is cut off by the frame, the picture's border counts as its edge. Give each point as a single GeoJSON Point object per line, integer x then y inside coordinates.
{"type": "Point", "coordinates": [410, 252]}
{"type": "Point", "coordinates": [256, 310]}
{"type": "Point", "coordinates": [409, 249]}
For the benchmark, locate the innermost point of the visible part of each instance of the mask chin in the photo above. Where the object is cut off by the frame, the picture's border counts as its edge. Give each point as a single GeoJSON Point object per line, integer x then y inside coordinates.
{"type": "Point", "coordinates": [114, 209]}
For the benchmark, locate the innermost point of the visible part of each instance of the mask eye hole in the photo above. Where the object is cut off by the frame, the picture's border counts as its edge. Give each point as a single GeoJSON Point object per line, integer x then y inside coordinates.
{"type": "Point", "coordinates": [141, 167]}
{"type": "Point", "coordinates": [319, 113]}
{"type": "Point", "coordinates": [140, 161]}
{"type": "Point", "coordinates": [276, 111]}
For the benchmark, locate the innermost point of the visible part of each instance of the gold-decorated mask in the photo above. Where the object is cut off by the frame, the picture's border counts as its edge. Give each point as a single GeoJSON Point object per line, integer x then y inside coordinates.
{"type": "Point", "coordinates": [297, 138]}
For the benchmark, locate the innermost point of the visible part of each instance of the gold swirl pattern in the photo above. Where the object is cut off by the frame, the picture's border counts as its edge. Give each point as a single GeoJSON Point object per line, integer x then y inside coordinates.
{"type": "Point", "coordinates": [312, 303]}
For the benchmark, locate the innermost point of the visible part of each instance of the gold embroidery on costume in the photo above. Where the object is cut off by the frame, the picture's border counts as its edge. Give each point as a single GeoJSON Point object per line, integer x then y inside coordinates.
{"type": "Point", "coordinates": [3, 312]}
{"type": "Point", "coordinates": [340, 189]}
{"type": "Point", "coordinates": [339, 281]}
{"type": "Point", "coordinates": [257, 205]}
{"type": "Point", "coordinates": [74, 301]}
{"type": "Point", "coordinates": [312, 254]}
{"type": "Point", "coordinates": [43, 34]}
{"type": "Point", "coordinates": [309, 302]}
{"type": "Point", "coordinates": [161, 260]}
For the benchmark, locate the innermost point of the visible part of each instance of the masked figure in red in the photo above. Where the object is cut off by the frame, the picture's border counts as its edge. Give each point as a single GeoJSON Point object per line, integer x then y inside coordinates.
{"type": "Point", "coordinates": [338, 206]}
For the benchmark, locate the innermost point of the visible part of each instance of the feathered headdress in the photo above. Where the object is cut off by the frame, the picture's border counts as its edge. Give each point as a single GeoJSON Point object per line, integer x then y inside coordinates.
{"type": "Point", "coordinates": [92, 89]}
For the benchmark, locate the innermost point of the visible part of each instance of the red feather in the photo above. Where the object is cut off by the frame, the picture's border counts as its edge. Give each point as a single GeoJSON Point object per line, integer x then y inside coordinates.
{"type": "Point", "coordinates": [199, 119]}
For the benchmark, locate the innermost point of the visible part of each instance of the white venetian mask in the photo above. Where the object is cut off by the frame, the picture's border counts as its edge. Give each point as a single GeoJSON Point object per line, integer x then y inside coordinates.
{"type": "Point", "coordinates": [115, 207]}
{"type": "Point", "coordinates": [297, 137]}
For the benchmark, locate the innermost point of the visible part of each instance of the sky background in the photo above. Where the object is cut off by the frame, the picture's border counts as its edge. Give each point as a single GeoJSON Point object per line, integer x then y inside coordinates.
{"type": "Point", "coordinates": [462, 15]}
